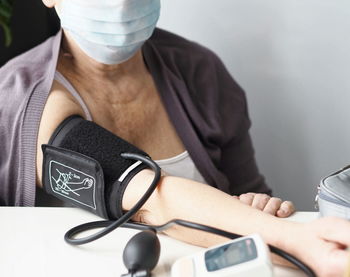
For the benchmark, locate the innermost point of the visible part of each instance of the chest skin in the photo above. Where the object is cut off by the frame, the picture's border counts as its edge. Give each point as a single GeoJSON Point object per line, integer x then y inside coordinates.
{"type": "Point", "coordinates": [142, 121]}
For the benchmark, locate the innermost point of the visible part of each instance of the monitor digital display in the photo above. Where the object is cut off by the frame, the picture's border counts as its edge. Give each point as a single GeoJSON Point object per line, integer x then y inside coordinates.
{"type": "Point", "coordinates": [230, 254]}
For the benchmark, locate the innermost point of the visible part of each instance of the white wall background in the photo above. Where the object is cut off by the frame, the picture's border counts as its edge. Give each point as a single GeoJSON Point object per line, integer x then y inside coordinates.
{"type": "Point", "coordinates": [293, 59]}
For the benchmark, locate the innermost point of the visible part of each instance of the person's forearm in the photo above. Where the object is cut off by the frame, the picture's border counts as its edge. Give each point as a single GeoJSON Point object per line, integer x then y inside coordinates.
{"type": "Point", "coordinates": [189, 200]}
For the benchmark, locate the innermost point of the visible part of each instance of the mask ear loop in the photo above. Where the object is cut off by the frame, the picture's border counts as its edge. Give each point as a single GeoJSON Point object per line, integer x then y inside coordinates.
{"type": "Point", "coordinates": [69, 236]}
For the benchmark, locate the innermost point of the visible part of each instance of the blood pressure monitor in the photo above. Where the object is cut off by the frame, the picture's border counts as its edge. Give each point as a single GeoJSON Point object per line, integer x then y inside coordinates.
{"type": "Point", "coordinates": [246, 256]}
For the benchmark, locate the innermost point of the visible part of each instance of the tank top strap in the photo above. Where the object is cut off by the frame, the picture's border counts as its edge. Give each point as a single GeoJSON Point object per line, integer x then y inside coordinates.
{"type": "Point", "coordinates": [64, 82]}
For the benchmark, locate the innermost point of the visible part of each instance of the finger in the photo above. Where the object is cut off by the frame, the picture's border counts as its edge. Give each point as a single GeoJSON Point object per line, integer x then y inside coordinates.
{"type": "Point", "coordinates": [260, 201]}
{"type": "Point", "coordinates": [286, 209]}
{"type": "Point", "coordinates": [247, 198]}
{"type": "Point", "coordinates": [273, 206]}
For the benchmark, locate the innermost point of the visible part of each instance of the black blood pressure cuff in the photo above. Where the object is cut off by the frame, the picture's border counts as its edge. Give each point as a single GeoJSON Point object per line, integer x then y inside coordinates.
{"type": "Point", "coordinates": [83, 166]}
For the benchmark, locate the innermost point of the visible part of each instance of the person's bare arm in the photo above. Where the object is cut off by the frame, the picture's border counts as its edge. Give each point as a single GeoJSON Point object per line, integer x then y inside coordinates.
{"type": "Point", "coordinates": [320, 244]}
{"type": "Point", "coordinates": [58, 107]}
{"type": "Point", "coordinates": [182, 198]}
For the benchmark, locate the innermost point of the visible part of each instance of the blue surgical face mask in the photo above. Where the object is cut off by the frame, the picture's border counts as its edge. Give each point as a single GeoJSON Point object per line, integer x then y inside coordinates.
{"type": "Point", "coordinates": [109, 31]}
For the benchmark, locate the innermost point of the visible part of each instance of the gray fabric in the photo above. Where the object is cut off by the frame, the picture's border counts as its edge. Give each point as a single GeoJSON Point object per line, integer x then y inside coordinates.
{"type": "Point", "coordinates": [338, 185]}
{"type": "Point", "coordinates": [25, 83]}
{"type": "Point", "coordinates": [333, 197]}
{"type": "Point", "coordinates": [206, 106]}
{"type": "Point", "coordinates": [328, 208]}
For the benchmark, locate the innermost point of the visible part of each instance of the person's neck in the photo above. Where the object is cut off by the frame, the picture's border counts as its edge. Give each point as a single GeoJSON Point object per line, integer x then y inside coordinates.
{"type": "Point", "coordinates": [81, 69]}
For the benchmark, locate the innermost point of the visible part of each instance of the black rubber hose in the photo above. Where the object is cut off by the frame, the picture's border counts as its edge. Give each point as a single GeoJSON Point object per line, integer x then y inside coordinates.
{"type": "Point", "coordinates": [69, 236]}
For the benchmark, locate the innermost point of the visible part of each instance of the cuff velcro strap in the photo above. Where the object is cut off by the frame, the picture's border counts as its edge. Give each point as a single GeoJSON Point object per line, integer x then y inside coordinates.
{"type": "Point", "coordinates": [83, 165]}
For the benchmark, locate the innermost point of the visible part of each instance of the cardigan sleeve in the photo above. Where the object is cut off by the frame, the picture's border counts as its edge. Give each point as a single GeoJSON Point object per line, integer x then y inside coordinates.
{"type": "Point", "coordinates": [223, 122]}
{"type": "Point", "coordinates": [237, 160]}
{"type": "Point", "coordinates": [239, 165]}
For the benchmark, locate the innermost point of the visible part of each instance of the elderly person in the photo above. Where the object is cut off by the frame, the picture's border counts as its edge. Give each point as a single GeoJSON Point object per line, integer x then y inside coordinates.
{"type": "Point", "coordinates": [168, 96]}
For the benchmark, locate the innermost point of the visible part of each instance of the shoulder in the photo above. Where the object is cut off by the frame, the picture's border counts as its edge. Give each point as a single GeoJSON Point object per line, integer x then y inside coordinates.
{"type": "Point", "coordinates": [29, 73]}
{"type": "Point", "coordinates": [183, 52]}
{"type": "Point", "coordinates": [30, 67]}
{"type": "Point", "coordinates": [205, 75]}
{"type": "Point", "coordinates": [215, 99]}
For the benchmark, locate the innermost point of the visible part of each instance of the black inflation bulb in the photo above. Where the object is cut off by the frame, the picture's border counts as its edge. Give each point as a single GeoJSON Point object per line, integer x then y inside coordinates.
{"type": "Point", "coordinates": [141, 254]}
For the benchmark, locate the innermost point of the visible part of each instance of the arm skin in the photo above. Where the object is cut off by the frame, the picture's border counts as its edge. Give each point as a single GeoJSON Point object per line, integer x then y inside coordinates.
{"type": "Point", "coordinates": [321, 244]}
{"type": "Point", "coordinates": [182, 198]}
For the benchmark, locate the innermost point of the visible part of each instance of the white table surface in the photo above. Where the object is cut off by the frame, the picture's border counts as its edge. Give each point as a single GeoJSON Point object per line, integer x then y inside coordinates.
{"type": "Point", "coordinates": [31, 244]}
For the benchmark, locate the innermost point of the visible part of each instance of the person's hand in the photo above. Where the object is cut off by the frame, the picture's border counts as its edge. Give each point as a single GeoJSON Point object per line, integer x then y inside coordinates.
{"type": "Point", "coordinates": [268, 204]}
{"type": "Point", "coordinates": [322, 245]}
